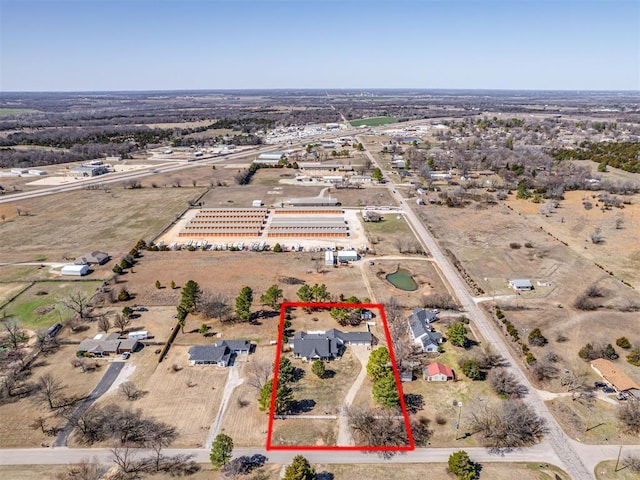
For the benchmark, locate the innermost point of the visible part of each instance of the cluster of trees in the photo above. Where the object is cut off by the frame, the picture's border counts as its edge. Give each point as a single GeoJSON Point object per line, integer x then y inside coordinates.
{"type": "Point", "coordinates": [284, 402]}
{"type": "Point", "coordinates": [347, 316]}
{"type": "Point", "coordinates": [599, 350]}
{"type": "Point", "coordinates": [457, 333]}
{"type": "Point", "coordinates": [623, 155]}
{"type": "Point", "coordinates": [316, 293]}
{"type": "Point", "coordinates": [462, 467]}
{"type": "Point", "coordinates": [380, 371]}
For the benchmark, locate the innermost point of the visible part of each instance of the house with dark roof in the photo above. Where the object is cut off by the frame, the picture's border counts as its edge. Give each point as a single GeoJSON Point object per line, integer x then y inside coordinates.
{"type": "Point", "coordinates": [438, 372]}
{"type": "Point", "coordinates": [220, 353]}
{"type": "Point", "coordinates": [103, 345]}
{"type": "Point", "coordinates": [327, 345]}
{"type": "Point", "coordinates": [94, 258]}
{"type": "Point", "coordinates": [421, 331]}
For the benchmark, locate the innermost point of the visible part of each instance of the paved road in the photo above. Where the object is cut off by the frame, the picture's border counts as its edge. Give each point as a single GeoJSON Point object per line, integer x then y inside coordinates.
{"type": "Point", "coordinates": [570, 459]}
{"type": "Point", "coordinates": [105, 382]}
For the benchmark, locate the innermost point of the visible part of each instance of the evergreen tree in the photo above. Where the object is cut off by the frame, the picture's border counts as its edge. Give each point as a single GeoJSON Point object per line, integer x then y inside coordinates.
{"type": "Point", "coordinates": [284, 398]}
{"type": "Point", "coordinates": [385, 391]}
{"type": "Point", "coordinates": [272, 297]}
{"type": "Point", "coordinates": [379, 363]}
{"type": "Point", "coordinates": [457, 334]}
{"type": "Point", "coordinates": [461, 466]}
{"type": "Point", "coordinates": [243, 303]}
{"type": "Point", "coordinates": [191, 294]}
{"type": "Point", "coordinates": [318, 368]}
{"type": "Point", "coordinates": [221, 449]}
{"type": "Point", "coordinates": [300, 469]}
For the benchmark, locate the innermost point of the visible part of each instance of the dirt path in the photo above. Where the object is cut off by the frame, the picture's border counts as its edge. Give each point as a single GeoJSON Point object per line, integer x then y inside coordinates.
{"type": "Point", "coordinates": [233, 380]}
{"type": "Point", "coordinates": [365, 280]}
{"type": "Point", "coordinates": [344, 432]}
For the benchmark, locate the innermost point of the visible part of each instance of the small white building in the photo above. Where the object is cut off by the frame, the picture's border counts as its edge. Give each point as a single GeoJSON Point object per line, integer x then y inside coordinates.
{"type": "Point", "coordinates": [256, 203]}
{"type": "Point", "coordinates": [139, 335]}
{"type": "Point", "coordinates": [19, 171]}
{"type": "Point", "coordinates": [36, 172]}
{"type": "Point", "coordinates": [347, 256]}
{"type": "Point", "coordinates": [329, 258]}
{"type": "Point", "coordinates": [521, 284]}
{"type": "Point", "coordinates": [76, 270]}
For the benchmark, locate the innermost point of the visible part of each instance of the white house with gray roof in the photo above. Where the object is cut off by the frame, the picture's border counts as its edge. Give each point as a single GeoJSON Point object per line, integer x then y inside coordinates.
{"type": "Point", "coordinates": [421, 331]}
{"type": "Point", "coordinates": [327, 345]}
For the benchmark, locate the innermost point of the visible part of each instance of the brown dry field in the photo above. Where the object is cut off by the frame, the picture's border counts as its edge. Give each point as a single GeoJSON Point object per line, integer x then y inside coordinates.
{"type": "Point", "coordinates": [243, 421]}
{"type": "Point", "coordinates": [480, 238]}
{"type": "Point", "coordinates": [571, 223]}
{"type": "Point", "coordinates": [300, 431]}
{"type": "Point", "coordinates": [8, 290]}
{"type": "Point", "coordinates": [327, 393]}
{"type": "Point", "coordinates": [228, 272]}
{"type": "Point", "coordinates": [436, 471]}
{"type": "Point", "coordinates": [187, 399]}
{"type": "Point", "coordinates": [86, 220]}
{"type": "Point", "coordinates": [607, 471]}
{"type": "Point", "coordinates": [16, 418]}
{"type": "Point", "coordinates": [597, 425]}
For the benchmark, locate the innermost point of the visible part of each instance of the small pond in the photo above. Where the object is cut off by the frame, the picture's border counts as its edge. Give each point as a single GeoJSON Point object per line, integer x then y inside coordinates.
{"type": "Point", "coordinates": [403, 280]}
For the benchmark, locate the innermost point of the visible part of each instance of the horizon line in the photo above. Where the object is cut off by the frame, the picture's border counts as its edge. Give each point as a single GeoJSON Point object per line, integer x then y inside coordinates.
{"type": "Point", "coordinates": [333, 89]}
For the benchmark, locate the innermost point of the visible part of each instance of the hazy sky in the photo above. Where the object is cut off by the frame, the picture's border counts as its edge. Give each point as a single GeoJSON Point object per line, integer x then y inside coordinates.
{"type": "Point", "coordinates": [56, 45]}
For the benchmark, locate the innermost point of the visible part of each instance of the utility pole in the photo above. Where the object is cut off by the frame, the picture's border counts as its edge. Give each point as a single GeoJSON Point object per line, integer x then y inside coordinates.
{"type": "Point", "coordinates": [618, 460]}
{"type": "Point", "coordinates": [457, 424]}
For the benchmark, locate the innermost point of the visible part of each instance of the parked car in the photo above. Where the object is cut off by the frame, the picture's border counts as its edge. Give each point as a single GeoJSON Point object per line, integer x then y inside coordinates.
{"type": "Point", "coordinates": [142, 309]}
{"type": "Point", "coordinates": [621, 396]}
{"type": "Point", "coordinates": [126, 355]}
{"type": "Point", "coordinates": [607, 389]}
{"type": "Point", "coordinates": [599, 384]}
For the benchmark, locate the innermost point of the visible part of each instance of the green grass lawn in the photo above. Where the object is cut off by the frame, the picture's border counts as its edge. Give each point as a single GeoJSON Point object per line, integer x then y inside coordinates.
{"type": "Point", "coordinates": [373, 121]}
{"type": "Point", "coordinates": [15, 111]}
{"type": "Point", "coordinates": [35, 310]}
{"type": "Point", "coordinates": [390, 224]}
{"type": "Point", "coordinates": [607, 470]}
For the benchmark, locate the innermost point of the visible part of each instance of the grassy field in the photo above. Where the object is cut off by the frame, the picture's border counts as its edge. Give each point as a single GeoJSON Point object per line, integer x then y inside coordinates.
{"type": "Point", "coordinates": [7, 112]}
{"type": "Point", "coordinates": [607, 471]}
{"type": "Point", "coordinates": [406, 471]}
{"type": "Point", "coordinates": [87, 220]}
{"type": "Point", "coordinates": [373, 121]}
{"type": "Point", "coordinates": [389, 235]}
{"type": "Point", "coordinates": [39, 306]}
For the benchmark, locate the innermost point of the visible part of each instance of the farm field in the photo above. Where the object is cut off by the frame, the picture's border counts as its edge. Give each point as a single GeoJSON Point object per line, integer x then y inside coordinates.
{"type": "Point", "coordinates": [258, 270]}
{"type": "Point", "coordinates": [481, 239]}
{"type": "Point", "coordinates": [373, 121]}
{"type": "Point", "coordinates": [40, 305]}
{"type": "Point", "coordinates": [111, 222]}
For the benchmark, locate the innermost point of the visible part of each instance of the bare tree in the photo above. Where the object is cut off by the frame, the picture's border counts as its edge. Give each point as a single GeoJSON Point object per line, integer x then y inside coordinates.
{"type": "Point", "coordinates": [400, 244]}
{"type": "Point", "coordinates": [619, 222]}
{"type": "Point", "coordinates": [629, 416]}
{"type": "Point", "coordinates": [596, 236]}
{"type": "Point", "coordinates": [104, 324]}
{"type": "Point", "coordinates": [14, 335]}
{"type": "Point", "coordinates": [509, 424]}
{"type": "Point", "coordinates": [215, 305]}
{"type": "Point", "coordinates": [121, 322]}
{"type": "Point", "coordinates": [126, 459]}
{"type": "Point", "coordinates": [377, 427]}
{"type": "Point", "coordinates": [84, 470]}
{"type": "Point", "coordinates": [258, 373]}
{"type": "Point", "coordinates": [632, 462]}
{"type": "Point", "coordinates": [544, 370]}
{"type": "Point", "coordinates": [159, 436]}
{"type": "Point", "coordinates": [129, 391]}
{"type": "Point", "coordinates": [78, 302]}
{"type": "Point", "coordinates": [51, 388]}
{"type": "Point", "coordinates": [505, 383]}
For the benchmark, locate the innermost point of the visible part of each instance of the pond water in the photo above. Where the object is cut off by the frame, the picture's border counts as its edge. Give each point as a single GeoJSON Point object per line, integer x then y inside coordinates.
{"type": "Point", "coordinates": [403, 280]}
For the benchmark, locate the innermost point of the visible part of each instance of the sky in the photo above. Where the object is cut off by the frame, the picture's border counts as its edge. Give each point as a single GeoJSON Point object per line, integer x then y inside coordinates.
{"type": "Point", "coordinates": [97, 45]}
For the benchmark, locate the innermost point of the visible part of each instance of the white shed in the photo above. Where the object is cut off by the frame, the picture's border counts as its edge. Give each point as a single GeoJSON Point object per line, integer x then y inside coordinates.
{"type": "Point", "coordinates": [77, 270]}
{"type": "Point", "coordinates": [140, 335]}
{"type": "Point", "coordinates": [347, 255]}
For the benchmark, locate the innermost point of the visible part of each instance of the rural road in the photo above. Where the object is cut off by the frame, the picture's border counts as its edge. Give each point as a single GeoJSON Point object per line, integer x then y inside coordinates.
{"type": "Point", "coordinates": [571, 459]}
{"type": "Point", "coordinates": [542, 453]}
{"type": "Point", "coordinates": [103, 385]}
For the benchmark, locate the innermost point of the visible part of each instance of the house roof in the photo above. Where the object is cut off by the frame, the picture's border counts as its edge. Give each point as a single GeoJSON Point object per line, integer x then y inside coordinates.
{"type": "Point", "coordinates": [234, 345]}
{"type": "Point", "coordinates": [326, 344]}
{"type": "Point", "coordinates": [209, 353]}
{"type": "Point", "coordinates": [431, 338]}
{"type": "Point", "coordinates": [109, 343]}
{"type": "Point", "coordinates": [520, 283]}
{"type": "Point", "coordinates": [439, 368]}
{"type": "Point", "coordinates": [419, 320]}
{"type": "Point", "coordinates": [612, 374]}
{"type": "Point", "coordinates": [93, 257]}
{"type": "Point", "coordinates": [315, 345]}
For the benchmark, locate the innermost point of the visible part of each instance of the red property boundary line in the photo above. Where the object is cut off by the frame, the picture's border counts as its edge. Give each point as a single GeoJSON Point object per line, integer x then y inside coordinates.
{"type": "Point", "coordinates": [283, 309]}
